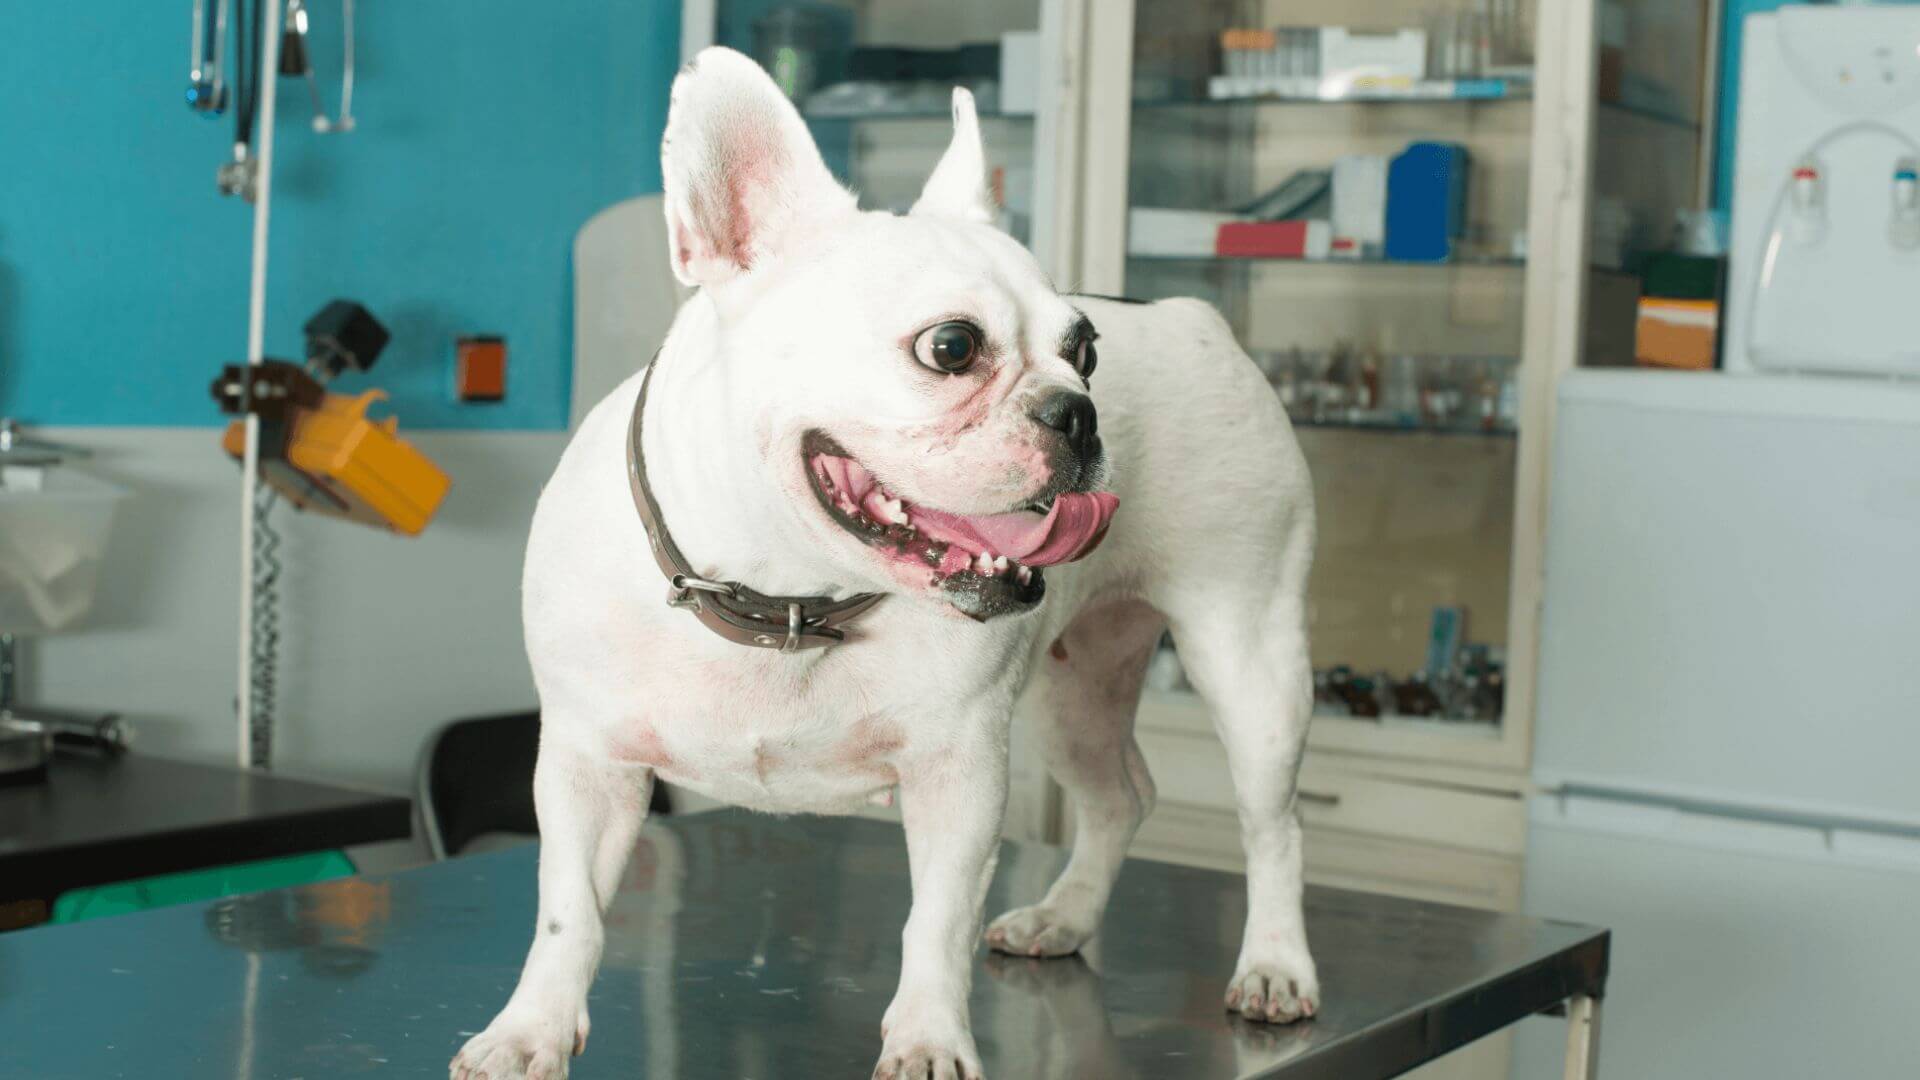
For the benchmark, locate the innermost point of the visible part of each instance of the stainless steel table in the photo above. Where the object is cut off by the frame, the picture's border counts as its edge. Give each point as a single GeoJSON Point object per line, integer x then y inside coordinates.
{"type": "Point", "coordinates": [97, 820]}
{"type": "Point", "coordinates": [746, 946]}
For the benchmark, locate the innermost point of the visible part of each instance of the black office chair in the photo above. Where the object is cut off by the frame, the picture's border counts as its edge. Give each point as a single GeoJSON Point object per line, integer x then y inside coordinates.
{"type": "Point", "coordinates": [474, 784]}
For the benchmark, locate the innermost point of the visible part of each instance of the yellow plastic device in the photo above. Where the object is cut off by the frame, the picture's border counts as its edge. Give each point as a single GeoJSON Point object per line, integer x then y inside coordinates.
{"type": "Point", "coordinates": [342, 464]}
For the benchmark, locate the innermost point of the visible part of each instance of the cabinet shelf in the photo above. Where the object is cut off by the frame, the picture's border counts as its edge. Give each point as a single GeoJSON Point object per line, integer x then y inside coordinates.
{"type": "Point", "coordinates": [1466, 262]}
{"type": "Point", "coordinates": [1185, 709]}
{"type": "Point", "coordinates": [1396, 427]}
{"type": "Point", "coordinates": [944, 115]}
{"type": "Point", "coordinates": [1650, 114]}
{"type": "Point", "coordinates": [1316, 92]}
{"type": "Point", "coordinates": [1431, 92]}
{"type": "Point", "coordinates": [1427, 92]}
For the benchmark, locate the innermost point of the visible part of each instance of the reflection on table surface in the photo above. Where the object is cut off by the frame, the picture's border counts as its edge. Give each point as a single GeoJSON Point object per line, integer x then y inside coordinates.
{"type": "Point", "coordinates": [737, 946]}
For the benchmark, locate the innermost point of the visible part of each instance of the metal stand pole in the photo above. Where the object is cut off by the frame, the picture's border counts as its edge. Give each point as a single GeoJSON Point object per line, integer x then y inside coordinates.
{"type": "Point", "coordinates": [1583, 1038]}
{"type": "Point", "coordinates": [269, 58]}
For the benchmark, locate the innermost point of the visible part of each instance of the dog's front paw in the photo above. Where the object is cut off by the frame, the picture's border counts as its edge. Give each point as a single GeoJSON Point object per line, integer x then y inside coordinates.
{"type": "Point", "coordinates": [924, 1042]}
{"type": "Point", "coordinates": [520, 1046]}
{"type": "Point", "coordinates": [1274, 993]}
{"type": "Point", "coordinates": [905, 1057]}
{"type": "Point", "coordinates": [1040, 930]}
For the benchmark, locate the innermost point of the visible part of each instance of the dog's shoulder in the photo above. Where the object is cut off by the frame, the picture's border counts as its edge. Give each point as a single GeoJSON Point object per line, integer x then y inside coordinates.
{"type": "Point", "coordinates": [1190, 319]}
{"type": "Point", "coordinates": [587, 492]}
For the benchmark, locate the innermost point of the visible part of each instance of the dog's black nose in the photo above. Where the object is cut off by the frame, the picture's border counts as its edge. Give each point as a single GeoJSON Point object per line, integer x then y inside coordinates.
{"type": "Point", "coordinates": [1072, 415]}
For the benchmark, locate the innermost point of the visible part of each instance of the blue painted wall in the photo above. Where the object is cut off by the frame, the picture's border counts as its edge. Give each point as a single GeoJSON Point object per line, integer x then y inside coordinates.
{"type": "Point", "coordinates": [1732, 40]}
{"type": "Point", "coordinates": [488, 132]}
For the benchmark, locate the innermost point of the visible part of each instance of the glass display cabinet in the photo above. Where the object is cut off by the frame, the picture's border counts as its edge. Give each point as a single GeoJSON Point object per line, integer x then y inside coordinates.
{"type": "Point", "coordinates": [1279, 170]}
{"type": "Point", "coordinates": [1415, 213]}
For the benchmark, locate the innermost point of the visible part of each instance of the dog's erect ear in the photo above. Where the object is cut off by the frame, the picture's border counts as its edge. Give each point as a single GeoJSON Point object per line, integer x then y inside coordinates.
{"type": "Point", "coordinates": [958, 186]}
{"type": "Point", "coordinates": [744, 180]}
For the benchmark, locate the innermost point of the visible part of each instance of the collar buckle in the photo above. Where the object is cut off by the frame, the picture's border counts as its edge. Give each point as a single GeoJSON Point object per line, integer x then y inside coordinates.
{"type": "Point", "coordinates": [683, 590]}
{"type": "Point", "coordinates": [795, 622]}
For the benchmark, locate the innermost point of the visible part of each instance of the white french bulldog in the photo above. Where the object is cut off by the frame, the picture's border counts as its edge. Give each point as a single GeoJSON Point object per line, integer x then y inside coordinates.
{"type": "Point", "coordinates": [867, 402]}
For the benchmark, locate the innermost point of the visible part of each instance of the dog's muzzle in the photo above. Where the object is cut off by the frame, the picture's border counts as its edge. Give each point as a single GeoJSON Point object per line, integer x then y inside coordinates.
{"type": "Point", "coordinates": [1072, 414]}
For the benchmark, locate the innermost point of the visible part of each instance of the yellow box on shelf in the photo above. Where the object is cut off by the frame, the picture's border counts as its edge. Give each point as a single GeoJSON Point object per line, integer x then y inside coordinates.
{"type": "Point", "coordinates": [1677, 333]}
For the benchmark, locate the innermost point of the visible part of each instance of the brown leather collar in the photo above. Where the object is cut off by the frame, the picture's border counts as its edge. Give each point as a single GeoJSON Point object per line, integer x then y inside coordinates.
{"type": "Point", "coordinates": [728, 608]}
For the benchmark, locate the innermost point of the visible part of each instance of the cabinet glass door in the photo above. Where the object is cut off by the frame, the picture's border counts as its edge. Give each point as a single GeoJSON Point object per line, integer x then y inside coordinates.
{"type": "Point", "coordinates": [1652, 237]}
{"type": "Point", "coordinates": [1349, 183]}
{"type": "Point", "coordinates": [874, 80]}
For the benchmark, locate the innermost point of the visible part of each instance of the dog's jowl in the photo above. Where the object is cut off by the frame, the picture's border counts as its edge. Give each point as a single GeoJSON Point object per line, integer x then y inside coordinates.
{"type": "Point", "coordinates": [891, 481]}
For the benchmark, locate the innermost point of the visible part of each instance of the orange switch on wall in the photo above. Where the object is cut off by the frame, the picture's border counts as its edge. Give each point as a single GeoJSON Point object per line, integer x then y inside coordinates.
{"type": "Point", "coordinates": [480, 368]}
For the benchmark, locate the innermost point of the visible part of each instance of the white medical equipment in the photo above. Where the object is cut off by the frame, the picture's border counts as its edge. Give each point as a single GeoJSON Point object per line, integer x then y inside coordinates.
{"type": "Point", "coordinates": [288, 54]}
{"type": "Point", "coordinates": [1826, 207]}
{"type": "Point", "coordinates": [54, 522]}
{"type": "Point", "coordinates": [297, 59]}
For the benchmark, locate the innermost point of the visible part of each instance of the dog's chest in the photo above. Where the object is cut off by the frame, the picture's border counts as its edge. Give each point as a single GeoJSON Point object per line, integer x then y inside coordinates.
{"type": "Point", "coordinates": [768, 763]}
{"type": "Point", "coordinates": [758, 730]}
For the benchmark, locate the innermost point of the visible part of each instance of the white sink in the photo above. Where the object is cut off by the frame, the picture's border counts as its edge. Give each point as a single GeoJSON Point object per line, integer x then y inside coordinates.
{"type": "Point", "coordinates": [54, 522]}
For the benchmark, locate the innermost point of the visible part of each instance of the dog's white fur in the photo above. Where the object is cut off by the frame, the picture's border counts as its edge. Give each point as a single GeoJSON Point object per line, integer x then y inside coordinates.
{"type": "Point", "coordinates": [806, 311]}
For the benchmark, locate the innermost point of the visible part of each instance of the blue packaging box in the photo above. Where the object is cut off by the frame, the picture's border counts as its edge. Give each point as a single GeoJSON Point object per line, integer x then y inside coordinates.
{"type": "Point", "coordinates": [1426, 201]}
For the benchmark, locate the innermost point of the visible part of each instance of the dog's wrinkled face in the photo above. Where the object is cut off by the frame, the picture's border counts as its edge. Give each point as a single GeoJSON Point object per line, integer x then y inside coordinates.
{"type": "Point", "coordinates": [915, 385]}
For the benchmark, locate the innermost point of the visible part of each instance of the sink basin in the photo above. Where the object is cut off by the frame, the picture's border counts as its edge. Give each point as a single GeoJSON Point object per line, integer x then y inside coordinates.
{"type": "Point", "coordinates": [54, 522]}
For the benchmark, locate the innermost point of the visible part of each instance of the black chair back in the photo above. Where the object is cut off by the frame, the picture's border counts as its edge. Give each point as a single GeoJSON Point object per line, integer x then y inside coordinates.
{"type": "Point", "coordinates": [476, 777]}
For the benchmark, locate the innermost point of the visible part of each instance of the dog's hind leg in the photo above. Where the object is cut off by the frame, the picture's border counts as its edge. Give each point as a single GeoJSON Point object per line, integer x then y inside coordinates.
{"type": "Point", "coordinates": [590, 812]}
{"type": "Point", "coordinates": [1245, 649]}
{"type": "Point", "coordinates": [1081, 703]}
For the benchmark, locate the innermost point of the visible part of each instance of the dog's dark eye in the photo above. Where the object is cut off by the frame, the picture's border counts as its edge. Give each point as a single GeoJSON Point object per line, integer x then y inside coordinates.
{"type": "Point", "coordinates": [1086, 359]}
{"type": "Point", "coordinates": [950, 347]}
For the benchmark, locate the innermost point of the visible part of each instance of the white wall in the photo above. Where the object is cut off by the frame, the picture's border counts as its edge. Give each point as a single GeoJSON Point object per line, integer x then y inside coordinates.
{"type": "Point", "coordinates": [383, 637]}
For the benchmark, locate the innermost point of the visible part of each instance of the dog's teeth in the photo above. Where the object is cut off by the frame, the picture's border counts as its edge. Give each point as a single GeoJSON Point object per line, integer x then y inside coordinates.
{"type": "Point", "coordinates": [1023, 575]}
{"type": "Point", "coordinates": [1001, 564]}
{"type": "Point", "coordinates": [896, 513]}
{"type": "Point", "coordinates": [983, 565]}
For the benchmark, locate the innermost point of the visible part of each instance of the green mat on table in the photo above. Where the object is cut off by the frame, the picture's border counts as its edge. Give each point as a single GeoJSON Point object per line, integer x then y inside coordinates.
{"type": "Point", "coordinates": [165, 890]}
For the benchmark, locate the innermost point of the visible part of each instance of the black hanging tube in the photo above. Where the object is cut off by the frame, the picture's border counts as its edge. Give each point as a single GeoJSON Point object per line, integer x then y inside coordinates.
{"type": "Point", "coordinates": [242, 123]}
{"type": "Point", "coordinates": [247, 24]}
{"type": "Point", "coordinates": [253, 66]}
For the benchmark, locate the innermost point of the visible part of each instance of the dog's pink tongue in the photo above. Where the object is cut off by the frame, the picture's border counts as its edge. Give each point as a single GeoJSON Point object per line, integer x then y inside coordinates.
{"type": "Point", "coordinates": [1070, 530]}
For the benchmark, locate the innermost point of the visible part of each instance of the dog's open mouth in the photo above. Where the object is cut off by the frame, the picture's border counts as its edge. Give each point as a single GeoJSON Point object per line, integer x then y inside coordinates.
{"type": "Point", "coordinates": [989, 564]}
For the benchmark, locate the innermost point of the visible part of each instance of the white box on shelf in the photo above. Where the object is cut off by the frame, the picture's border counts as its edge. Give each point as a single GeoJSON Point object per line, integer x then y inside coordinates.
{"type": "Point", "coordinates": [1360, 199]}
{"type": "Point", "coordinates": [1157, 231]}
{"type": "Point", "coordinates": [1348, 57]}
{"type": "Point", "coordinates": [1019, 72]}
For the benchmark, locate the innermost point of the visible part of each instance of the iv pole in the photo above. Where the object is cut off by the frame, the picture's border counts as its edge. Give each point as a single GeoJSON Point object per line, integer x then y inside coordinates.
{"type": "Point", "coordinates": [256, 339]}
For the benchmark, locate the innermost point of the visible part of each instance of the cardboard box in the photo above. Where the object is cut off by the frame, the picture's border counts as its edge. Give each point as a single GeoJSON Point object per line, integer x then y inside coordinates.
{"type": "Point", "coordinates": [1677, 333]}
{"type": "Point", "coordinates": [1275, 240]}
